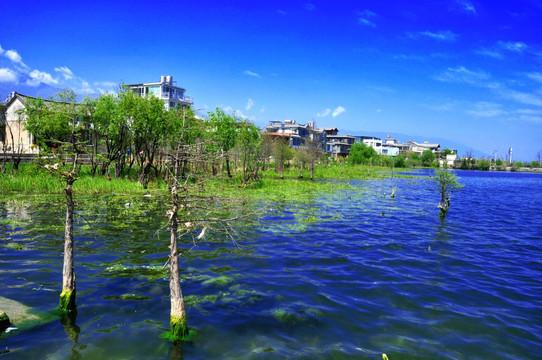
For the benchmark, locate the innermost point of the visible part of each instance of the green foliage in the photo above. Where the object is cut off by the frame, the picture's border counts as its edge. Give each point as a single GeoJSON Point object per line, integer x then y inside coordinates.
{"type": "Point", "coordinates": [499, 162]}
{"type": "Point", "coordinates": [360, 153]}
{"type": "Point", "coordinates": [427, 157]}
{"type": "Point", "coordinates": [447, 152]}
{"type": "Point", "coordinates": [446, 184]}
{"type": "Point", "coordinates": [484, 164]}
{"type": "Point", "coordinates": [400, 162]}
{"type": "Point", "coordinates": [518, 164]}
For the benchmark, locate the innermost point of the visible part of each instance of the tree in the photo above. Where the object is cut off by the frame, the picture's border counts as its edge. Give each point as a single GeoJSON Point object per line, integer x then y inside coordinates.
{"type": "Point", "coordinates": [427, 157]}
{"type": "Point", "coordinates": [150, 125]}
{"type": "Point", "coordinates": [224, 130]}
{"type": "Point", "coordinates": [361, 153]}
{"type": "Point", "coordinates": [57, 127]}
{"type": "Point", "coordinates": [314, 151]}
{"type": "Point", "coordinates": [113, 136]}
{"type": "Point", "coordinates": [446, 184]}
{"type": "Point", "coordinates": [249, 140]}
{"type": "Point", "coordinates": [283, 153]}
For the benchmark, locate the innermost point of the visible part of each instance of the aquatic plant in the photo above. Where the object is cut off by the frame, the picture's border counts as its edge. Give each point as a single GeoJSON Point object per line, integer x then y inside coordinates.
{"type": "Point", "coordinates": [446, 184]}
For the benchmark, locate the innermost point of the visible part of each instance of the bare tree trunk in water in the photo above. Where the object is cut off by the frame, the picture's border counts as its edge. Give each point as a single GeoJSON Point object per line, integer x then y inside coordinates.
{"type": "Point", "coordinates": [178, 323]}
{"type": "Point", "coordinates": [67, 297]}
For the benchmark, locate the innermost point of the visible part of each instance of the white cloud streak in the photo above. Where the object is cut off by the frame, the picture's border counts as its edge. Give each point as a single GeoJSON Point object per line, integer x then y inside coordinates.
{"type": "Point", "coordinates": [338, 111]}
{"type": "Point", "coordinates": [324, 113]}
{"type": "Point", "coordinates": [250, 104]}
{"type": "Point", "coordinates": [535, 76]}
{"type": "Point", "coordinates": [364, 17]}
{"type": "Point", "coordinates": [446, 36]}
{"type": "Point", "coordinates": [65, 72]}
{"type": "Point", "coordinates": [105, 83]}
{"type": "Point", "coordinates": [467, 6]}
{"type": "Point", "coordinates": [463, 75]}
{"type": "Point", "coordinates": [251, 73]}
{"type": "Point", "coordinates": [517, 47]}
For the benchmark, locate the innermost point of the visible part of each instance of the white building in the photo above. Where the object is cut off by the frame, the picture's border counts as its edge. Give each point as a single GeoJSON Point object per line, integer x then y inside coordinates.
{"type": "Point", "coordinates": [172, 95]}
{"type": "Point", "coordinates": [12, 127]}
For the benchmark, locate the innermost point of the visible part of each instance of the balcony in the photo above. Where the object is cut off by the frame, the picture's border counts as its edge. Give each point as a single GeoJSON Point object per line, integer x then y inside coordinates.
{"type": "Point", "coordinates": [183, 99]}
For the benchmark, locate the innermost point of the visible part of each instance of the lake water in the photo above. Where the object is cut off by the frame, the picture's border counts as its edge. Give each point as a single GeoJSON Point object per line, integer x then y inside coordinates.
{"type": "Point", "coordinates": [350, 274]}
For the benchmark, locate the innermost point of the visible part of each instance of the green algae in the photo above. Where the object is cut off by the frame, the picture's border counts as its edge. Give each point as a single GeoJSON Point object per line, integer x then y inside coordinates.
{"type": "Point", "coordinates": [67, 301]}
{"type": "Point", "coordinates": [127, 297]}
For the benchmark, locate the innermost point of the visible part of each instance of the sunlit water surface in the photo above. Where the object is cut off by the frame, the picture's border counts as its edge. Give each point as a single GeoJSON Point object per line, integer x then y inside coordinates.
{"type": "Point", "coordinates": [344, 275]}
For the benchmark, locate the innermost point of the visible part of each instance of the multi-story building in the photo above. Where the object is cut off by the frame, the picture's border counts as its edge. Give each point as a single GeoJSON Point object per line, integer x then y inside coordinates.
{"type": "Point", "coordinates": [339, 145]}
{"type": "Point", "coordinates": [172, 95]}
{"type": "Point", "coordinates": [298, 135]}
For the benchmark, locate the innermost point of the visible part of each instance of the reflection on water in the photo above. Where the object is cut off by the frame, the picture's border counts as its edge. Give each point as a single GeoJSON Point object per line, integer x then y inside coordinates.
{"type": "Point", "coordinates": [350, 274]}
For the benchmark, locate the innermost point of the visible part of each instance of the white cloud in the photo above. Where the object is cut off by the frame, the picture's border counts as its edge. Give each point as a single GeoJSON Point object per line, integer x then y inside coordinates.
{"type": "Point", "coordinates": [85, 88]}
{"type": "Point", "coordinates": [38, 77]}
{"type": "Point", "coordinates": [490, 53]}
{"type": "Point", "coordinates": [262, 110]}
{"type": "Point", "coordinates": [366, 22]}
{"type": "Point", "coordinates": [105, 83]}
{"type": "Point", "coordinates": [485, 109]}
{"type": "Point", "coordinates": [250, 73]}
{"type": "Point", "coordinates": [521, 97]}
{"type": "Point", "coordinates": [14, 56]}
{"type": "Point", "coordinates": [1, 50]}
{"type": "Point", "coordinates": [250, 104]}
{"type": "Point", "coordinates": [8, 76]}
{"type": "Point", "coordinates": [65, 72]}
{"type": "Point", "coordinates": [535, 76]}
{"type": "Point", "coordinates": [467, 6]}
{"type": "Point", "coordinates": [338, 110]}
{"type": "Point", "coordinates": [364, 17]}
{"type": "Point", "coordinates": [513, 46]}
{"type": "Point", "coordinates": [324, 113]}
{"type": "Point", "coordinates": [439, 36]}
{"type": "Point", "coordinates": [463, 75]}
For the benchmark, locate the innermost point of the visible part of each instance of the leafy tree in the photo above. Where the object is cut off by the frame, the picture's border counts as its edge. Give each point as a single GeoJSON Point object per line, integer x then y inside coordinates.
{"type": "Point", "coordinates": [283, 153]}
{"type": "Point", "coordinates": [314, 152]}
{"type": "Point", "coordinates": [499, 162]}
{"type": "Point", "coordinates": [224, 129]}
{"type": "Point", "coordinates": [360, 153]}
{"type": "Point", "coordinates": [57, 124]}
{"type": "Point", "coordinates": [427, 157]}
{"type": "Point", "coordinates": [150, 124]}
{"type": "Point", "coordinates": [446, 184]}
{"type": "Point", "coordinates": [484, 164]}
{"type": "Point", "coordinates": [414, 158]}
{"type": "Point", "coordinates": [248, 143]}
{"type": "Point", "coordinates": [266, 149]}
{"type": "Point", "coordinates": [113, 134]}
{"type": "Point", "coordinates": [400, 161]}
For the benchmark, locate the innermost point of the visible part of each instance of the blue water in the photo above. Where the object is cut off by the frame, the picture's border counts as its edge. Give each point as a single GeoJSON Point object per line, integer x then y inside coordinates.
{"type": "Point", "coordinates": [350, 274]}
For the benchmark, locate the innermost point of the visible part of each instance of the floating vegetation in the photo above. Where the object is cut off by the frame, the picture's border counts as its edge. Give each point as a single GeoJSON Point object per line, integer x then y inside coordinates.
{"type": "Point", "coordinates": [220, 281]}
{"type": "Point", "coordinates": [297, 314]}
{"type": "Point", "coordinates": [150, 271]}
{"type": "Point", "coordinates": [127, 297]}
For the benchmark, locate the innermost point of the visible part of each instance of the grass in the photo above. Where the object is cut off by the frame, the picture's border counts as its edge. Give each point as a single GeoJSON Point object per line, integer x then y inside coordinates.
{"type": "Point", "coordinates": [34, 179]}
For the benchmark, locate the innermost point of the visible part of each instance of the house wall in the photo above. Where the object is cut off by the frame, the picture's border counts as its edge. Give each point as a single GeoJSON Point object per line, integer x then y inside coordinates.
{"type": "Point", "coordinates": [22, 139]}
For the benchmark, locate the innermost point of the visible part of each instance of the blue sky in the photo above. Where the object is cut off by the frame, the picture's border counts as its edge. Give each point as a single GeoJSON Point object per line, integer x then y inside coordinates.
{"type": "Point", "coordinates": [463, 70]}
